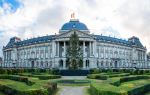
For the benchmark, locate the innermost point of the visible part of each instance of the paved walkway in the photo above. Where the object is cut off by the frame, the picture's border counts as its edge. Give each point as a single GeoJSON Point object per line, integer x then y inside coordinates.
{"type": "Point", "coordinates": [73, 77]}
{"type": "Point", "coordinates": [72, 90]}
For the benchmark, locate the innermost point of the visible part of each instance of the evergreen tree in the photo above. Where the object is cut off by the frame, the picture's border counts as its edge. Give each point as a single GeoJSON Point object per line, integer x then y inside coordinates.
{"type": "Point", "coordinates": [74, 53]}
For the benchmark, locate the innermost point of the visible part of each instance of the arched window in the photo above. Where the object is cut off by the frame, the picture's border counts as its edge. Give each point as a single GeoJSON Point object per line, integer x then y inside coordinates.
{"type": "Point", "coordinates": [41, 63]}
{"type": "Point", "coordinates": [97, 63]}
{"type": "Point", "coordinates": [106, 63]}
{"type": "Point", "coordinates": [46, 64]}
{"type": "Point", "coordinates": [37, 64]}
{"type": "Point", "coordinates": [87, 63]}
{"type": "Point", "coordinates": [61, 63]}
{"type": "Point", "coordinates": [50, 65]}
{"type": "Point", "coordinates": [102, 63]}
{"type": "Point", "coordinates": [111, 64]}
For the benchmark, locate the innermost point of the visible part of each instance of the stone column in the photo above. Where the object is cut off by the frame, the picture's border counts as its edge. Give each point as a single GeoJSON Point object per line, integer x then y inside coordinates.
{"type": "Point", "coordinates": [53, 49]}
{"type": "Point", "coordinates": [58, 49]}
{"type": "Point", "coordinates": [84, 62]}
{"type": "Point", "coordinates": [64, 49]}
{"type": "Point", "coordinates": [83, 48]}
{"type": "Point", "coordinates": [90, 48]}
{"type": "Point", "coordinates": [64, 64]}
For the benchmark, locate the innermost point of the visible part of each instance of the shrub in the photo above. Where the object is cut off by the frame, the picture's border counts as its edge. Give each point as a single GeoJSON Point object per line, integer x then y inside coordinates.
{"type": "Point", "coordinates": [109, 70]}
{"type": "Point", "coordinates": [104, 76]}
{"type": "Point", "coordinates": [9, 71]}
{"type": "Point", "coordinates": [105, 88]}
{"type": "Point", "coordinates": [51, 88]}
{"type": "Point", "coordinates": [97, 76]}
{"type": "Point", "coordinates": [12, 91]}
{"type": "Point", "coordinates": [126, 79]}
{"type": "Point", "coordinates": [95, 71]}
{"type": "Point", "coordinates": [41, 76]}
{"type": "Point", "coordinates": [139, 90]}
{"type": "Point", "coordinates": [17, 78]}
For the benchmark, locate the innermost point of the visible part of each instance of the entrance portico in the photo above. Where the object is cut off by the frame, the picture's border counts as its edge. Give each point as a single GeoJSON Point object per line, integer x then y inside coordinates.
{"type": "Point", "coordinates": [86, 43]}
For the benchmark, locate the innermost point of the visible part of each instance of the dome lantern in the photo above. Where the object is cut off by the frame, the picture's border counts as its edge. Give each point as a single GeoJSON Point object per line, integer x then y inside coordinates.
{"type": "Point", "coordinates": [74, 24]}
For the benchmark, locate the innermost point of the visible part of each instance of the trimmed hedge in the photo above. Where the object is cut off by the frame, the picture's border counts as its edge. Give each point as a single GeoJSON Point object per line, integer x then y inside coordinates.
{"type": "Point", "coordinates": [131, 78]}
{"type": "Point", "coordinates": [49, 90]}
{"type": "Point", "coordinates": [42, 77]}
{"type": "Point", "coordinates": [17, 78]}
{"type": "Point", "coordinates": [97, 76]}
{"type": "Point", "coordinates": [104, 76]}
{"type": "Point", "coordinates": [136, 91]}
{"type": "Point", "coordinates": [94, 90]}
{"type": "Point", "coordinates": [46, 77]}
{"type": "Point", "coordinates": [28, 70]}
{"type": "Point", "coordinates": [131, 71]}
{"type": "Point", "coordinates": [106, 88]}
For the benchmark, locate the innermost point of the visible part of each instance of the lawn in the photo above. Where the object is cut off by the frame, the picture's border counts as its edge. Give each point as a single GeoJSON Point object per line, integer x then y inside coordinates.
{"type": "Point", "coordinates": [120, 85]}
{"type": "Point", "coordinates": [105, 83]}
{"type": "Point", "coordinates": [18, 85]}
{"type": "Point", "coordinates": [39, 84]}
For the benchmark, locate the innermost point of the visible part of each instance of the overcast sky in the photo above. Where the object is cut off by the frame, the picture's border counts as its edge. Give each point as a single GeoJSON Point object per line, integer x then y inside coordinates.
{"type": "Point", "coordinates": [33, 18]}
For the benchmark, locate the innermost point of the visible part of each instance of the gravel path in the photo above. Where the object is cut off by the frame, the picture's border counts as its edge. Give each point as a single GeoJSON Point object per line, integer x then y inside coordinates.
{"type": "Point", "coordinates": [72, 90]}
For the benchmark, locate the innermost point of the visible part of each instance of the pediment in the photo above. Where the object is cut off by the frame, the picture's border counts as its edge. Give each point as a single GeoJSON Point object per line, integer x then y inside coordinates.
{"type": "Point", "coordinates": [79, 33]}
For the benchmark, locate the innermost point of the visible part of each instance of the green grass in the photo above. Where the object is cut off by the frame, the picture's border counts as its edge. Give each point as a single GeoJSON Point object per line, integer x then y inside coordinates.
{"type": "Point", "coordinates": [87, 91]}
{"type": "Point", "coordinates": [101, 85]}
{"type": "Point", "coordinates": [106, 85]}
{"type": "Point", "coordinates": [147, 93]}
{"type": "Point", "coordinates": [22, 86]}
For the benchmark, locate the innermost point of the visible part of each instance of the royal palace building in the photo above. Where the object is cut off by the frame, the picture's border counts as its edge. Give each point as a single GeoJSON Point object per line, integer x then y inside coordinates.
{"type": "Point", "coordinates": [98, 51]}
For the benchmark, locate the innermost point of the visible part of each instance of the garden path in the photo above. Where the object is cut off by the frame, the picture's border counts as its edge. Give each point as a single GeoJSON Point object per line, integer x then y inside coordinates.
{"type": "Point", "coordinates": [72, 90]}
{"type": "Point", "coordinates": [73, 77]}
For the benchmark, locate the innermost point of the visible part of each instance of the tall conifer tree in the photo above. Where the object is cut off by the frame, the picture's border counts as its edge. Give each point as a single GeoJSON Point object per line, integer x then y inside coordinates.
{"type": "Point", "coordinates": [74, 53]}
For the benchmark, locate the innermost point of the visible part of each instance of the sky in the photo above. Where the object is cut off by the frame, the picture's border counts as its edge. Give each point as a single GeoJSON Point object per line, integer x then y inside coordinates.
{"type": "Point", "coordinates": [33, 18]}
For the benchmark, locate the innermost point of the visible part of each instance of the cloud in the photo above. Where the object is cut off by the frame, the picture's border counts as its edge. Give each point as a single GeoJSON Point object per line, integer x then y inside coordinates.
{"type": "Point", "coordinates": [120, 18]}
{"type": "Point", "coordinates": [135, 15]}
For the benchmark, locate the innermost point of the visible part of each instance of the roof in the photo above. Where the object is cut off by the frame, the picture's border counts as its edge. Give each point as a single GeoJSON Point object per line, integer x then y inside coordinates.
{"type": "Point", "coordinates": [129, 42]}
{"type": "Point", "coordinates": [37, 40]}
{"type": "Point", "coordinates": [107, 39]}
{"type": "Point", "coordinates": [74, 24]}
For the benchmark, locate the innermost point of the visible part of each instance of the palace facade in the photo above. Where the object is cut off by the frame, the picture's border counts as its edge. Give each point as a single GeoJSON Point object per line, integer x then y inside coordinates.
{"type": "Point", "coordinates": [98, 51]}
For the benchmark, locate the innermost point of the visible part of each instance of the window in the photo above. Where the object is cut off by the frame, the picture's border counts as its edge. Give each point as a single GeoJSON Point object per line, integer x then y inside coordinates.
{"type": "Point", "coordinates": [102, 63]}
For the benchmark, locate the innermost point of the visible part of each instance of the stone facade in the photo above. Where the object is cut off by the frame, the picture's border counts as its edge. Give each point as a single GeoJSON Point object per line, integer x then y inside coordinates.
{"type": "Point", "coordinates": [98, 51]}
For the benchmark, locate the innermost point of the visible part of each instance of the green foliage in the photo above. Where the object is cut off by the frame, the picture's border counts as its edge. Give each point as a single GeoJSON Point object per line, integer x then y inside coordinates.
{"type": "Point", "coordinates": [95, 71]}
{"type": "Point", "coordinates": [109, 70]}
{"type": "Point", "coordinates": [74, 53]}
{"type": "Point", "coordinates": [104, 76]}
{"type": "Point", "coordinates": [42, 76]}
{"type": "Point", "coordinates": [121, 86]}
{"type": "Point", "coordinates": [49, 90]}
{"type": "Point", "coordinates": [97, 76]}
{"type": "Point", "coordinates": [22, 70]}
{"type": "Point", "coordinates": [14, 85]}
{"type": "Point", "coordinates": [17, 78]}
